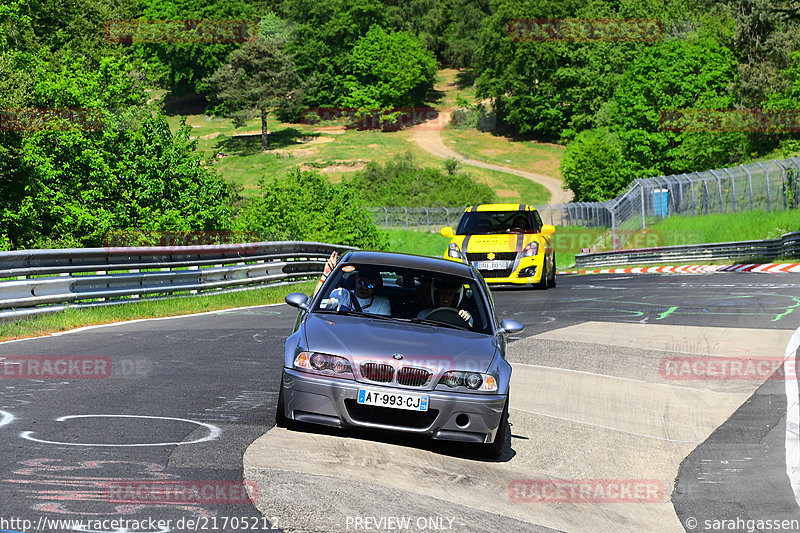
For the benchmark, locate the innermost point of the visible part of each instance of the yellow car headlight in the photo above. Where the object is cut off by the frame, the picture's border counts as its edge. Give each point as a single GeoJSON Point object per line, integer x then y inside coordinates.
{"type": "Point", "coordinates": [531, 250]}
{"type": "Point", "coordinates": [454, 252]}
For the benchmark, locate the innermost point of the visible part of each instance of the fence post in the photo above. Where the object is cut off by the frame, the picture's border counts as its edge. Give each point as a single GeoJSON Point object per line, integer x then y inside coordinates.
{"type": "Point", "coordinates": [783, 183]}
{"type": "Point", "coordinates": [447, 215]}
{"type": "Point", "coordinates": [427, 220]}
{"type": "Point", "coordinates": [386, 216]}
{"type": "Point", "coordinates": [691, 186]}
{"type": "Point", "coordinates": [644, 220]}
{"type": "Point", "coordinates": [766, 176]}
{"type": "Point", "coordinates": [614, 243]}
{"type": "Point", "coordinates": [749, 184]}
{"type": "Point", "coordinates": [406, 210]}
{"type": "Point", "coordinates": [719, 188]}
{"type": "Point", "coordinates": [733, 189]}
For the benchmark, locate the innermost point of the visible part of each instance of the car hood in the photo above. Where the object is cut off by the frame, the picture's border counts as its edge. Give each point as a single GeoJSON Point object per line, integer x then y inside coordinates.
{"type": "Point", "coordinates": [502, 242]}
{"type": "Point", "coordinates": [364, 339]}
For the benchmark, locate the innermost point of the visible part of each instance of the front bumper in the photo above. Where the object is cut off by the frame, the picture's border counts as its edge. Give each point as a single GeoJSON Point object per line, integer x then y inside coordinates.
{"type": "Point", "coordinates": [524, 271]}
{"type": "Point", "coordinates": [332, 402]}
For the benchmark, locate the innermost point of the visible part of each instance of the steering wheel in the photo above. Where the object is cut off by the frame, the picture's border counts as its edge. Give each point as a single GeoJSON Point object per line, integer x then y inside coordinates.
{"type": "Point", "coordinates": [447, 315]}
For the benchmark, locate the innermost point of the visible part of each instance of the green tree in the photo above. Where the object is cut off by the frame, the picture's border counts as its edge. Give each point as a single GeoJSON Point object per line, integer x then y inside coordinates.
{"type": "Point", "coordinates": [325, 34]}
{"type": "Point", "coordinates": [591, 166]}
{"type": "Point", "coordinates": [257, 78]}
{"type": "Point", "coordinates": [675, 74]}
{"type": "Point", "coordinates": [303, 205]}
{"type": "Point", "coordinates": [82, 184]}
{"type": "Point", "coordinates": [555, 89]}
{"type": "Point", "coordinates": [388, 70]}
{"type": "Point", "coordinates": [183, 66]}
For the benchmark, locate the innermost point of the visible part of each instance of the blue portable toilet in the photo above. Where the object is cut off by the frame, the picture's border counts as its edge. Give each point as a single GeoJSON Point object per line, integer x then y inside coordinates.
{"type": "Point", "coordinates": [660, 202]}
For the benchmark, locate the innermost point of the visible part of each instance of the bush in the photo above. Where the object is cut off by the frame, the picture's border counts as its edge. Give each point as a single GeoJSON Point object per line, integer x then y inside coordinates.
{"type": "Point", "coordinates": [591, 166]}
{"type": "Point", "coordinates": [403, 182]}
{"type": "Point", "coordinates": [304, 206]}
{"type": "Point", "coordinates": [469, 116]}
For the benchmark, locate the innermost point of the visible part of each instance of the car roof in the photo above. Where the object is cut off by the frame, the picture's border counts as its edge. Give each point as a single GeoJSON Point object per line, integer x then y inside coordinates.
{"type": "Point", "coordinates": [500, 207]}
{"type": "Point", "coordinates": [421, 262]}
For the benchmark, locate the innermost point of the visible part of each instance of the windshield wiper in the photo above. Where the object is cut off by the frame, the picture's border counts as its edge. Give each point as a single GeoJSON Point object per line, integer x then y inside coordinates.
{"type": "Point", "coordinates": [362, 314]}
{"type": "Point", "coordinates": [436, 323]}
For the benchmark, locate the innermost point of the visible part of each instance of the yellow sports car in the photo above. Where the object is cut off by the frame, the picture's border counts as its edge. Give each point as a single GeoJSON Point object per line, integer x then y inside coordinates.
{"type": "Point", "coordinates": [507, 243]}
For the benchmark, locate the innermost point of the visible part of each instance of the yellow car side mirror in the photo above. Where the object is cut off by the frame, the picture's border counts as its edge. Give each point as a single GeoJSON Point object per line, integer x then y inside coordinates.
{"type": "Point", "coordinates": [547, 229]}
{"type": "Point", "coordinates": [447, 231]}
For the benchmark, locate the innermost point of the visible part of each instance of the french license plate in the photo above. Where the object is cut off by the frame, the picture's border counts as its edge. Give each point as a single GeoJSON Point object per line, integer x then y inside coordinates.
{"type": "Point", "coordinates": [410, 402]}
{"type": "Point", "coordinates": [492, 265]}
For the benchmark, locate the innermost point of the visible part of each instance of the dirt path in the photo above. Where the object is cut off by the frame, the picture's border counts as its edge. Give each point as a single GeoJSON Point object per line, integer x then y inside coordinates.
{"type": "Point", "coordinates": [427, 137]}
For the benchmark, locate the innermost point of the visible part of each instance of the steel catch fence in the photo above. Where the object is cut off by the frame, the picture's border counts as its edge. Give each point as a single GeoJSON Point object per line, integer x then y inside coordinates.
{"type": "Point", "coordinates": [769, 186]}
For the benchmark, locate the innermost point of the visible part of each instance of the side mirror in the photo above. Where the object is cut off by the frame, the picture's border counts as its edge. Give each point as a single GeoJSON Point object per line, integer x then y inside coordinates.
{"type": "Point", "coordinates": [298, 300]}
{"type": "Point", "coordinates": [447, 231]}
{"type": "Point", "coordinates": [547, 229]}
{"type": "Point", "coordinates": [509, 325]}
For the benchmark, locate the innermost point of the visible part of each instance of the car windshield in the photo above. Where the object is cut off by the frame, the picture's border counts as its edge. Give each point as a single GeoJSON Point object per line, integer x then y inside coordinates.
{"type": "Point", "coordinates": [489, 222]}
{"type": "Point", "coordinates": [406, 295]}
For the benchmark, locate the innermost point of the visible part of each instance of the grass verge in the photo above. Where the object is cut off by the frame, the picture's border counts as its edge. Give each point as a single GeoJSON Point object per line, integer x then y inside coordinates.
{"type": "Point", "coordinates": [726, 227]}
{"type": "Point", "coordinates": [76, 318]}
{"type": "Point", "coordinates": [417, 242]}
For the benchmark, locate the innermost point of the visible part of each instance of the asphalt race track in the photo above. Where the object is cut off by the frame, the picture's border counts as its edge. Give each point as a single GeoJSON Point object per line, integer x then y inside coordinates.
{"type": "Point", "coordinates": [615, 427]}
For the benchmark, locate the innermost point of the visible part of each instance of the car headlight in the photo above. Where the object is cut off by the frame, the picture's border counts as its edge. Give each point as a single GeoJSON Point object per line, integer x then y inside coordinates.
{"type": "Point", "coordinates": [454, 252]}
{"type": "Point", "coordinates": [531, 250]}
{"type": "Point", "coordinates": [323, 363]}
{"type": "Point", "coordinates": [471, 380]}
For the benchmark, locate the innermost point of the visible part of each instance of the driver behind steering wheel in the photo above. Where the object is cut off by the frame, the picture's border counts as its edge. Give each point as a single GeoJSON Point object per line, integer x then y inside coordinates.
{"type": "Point", "coordinates": [447, 294]}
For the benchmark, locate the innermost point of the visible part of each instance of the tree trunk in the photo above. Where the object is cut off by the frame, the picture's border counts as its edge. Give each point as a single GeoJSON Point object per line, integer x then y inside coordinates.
{"type": "Point", "coordinates": [264, 135]}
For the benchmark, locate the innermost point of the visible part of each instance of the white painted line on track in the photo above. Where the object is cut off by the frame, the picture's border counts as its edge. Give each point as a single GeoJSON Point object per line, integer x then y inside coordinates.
{"type": "Point", "coordinates": [85, 328]}
{"type": "Point", "coordinates": [618, 377]}
{"type": "Point", "coordinates": [213, 432]}
{"type": "Point", "coordinates": [6, 418]}
{"type": "Point", "coordinates": [792, 439]}
{"type": "Point", "coordinates": [606, 427]}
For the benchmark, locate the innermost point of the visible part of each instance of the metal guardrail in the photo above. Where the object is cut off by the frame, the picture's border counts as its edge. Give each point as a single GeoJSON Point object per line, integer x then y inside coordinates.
{"type": "Point", "coordinates": [35, 280]}
{"type": "Point", "coordinates": [786, 246]}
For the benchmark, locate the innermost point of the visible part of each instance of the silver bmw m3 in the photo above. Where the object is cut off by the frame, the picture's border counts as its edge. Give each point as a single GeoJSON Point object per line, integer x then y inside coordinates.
{"type": "Point", "coordinates": [400, 342]}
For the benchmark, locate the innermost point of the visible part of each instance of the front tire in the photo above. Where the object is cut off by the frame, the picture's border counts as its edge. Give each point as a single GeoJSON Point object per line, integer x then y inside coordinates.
{"type": "Point", "coordinates": [543, 283]}
{"type": "Point", "coordinates": [496, 449]}
{"type": "Point", "coordinates": [281, 420]}
{"type": "Point", "coordinates": [551, 281]}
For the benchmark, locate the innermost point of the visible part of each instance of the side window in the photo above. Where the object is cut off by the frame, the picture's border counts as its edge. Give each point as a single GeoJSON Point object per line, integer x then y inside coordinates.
{"type": "Point", "coordinates": [538, 220]}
